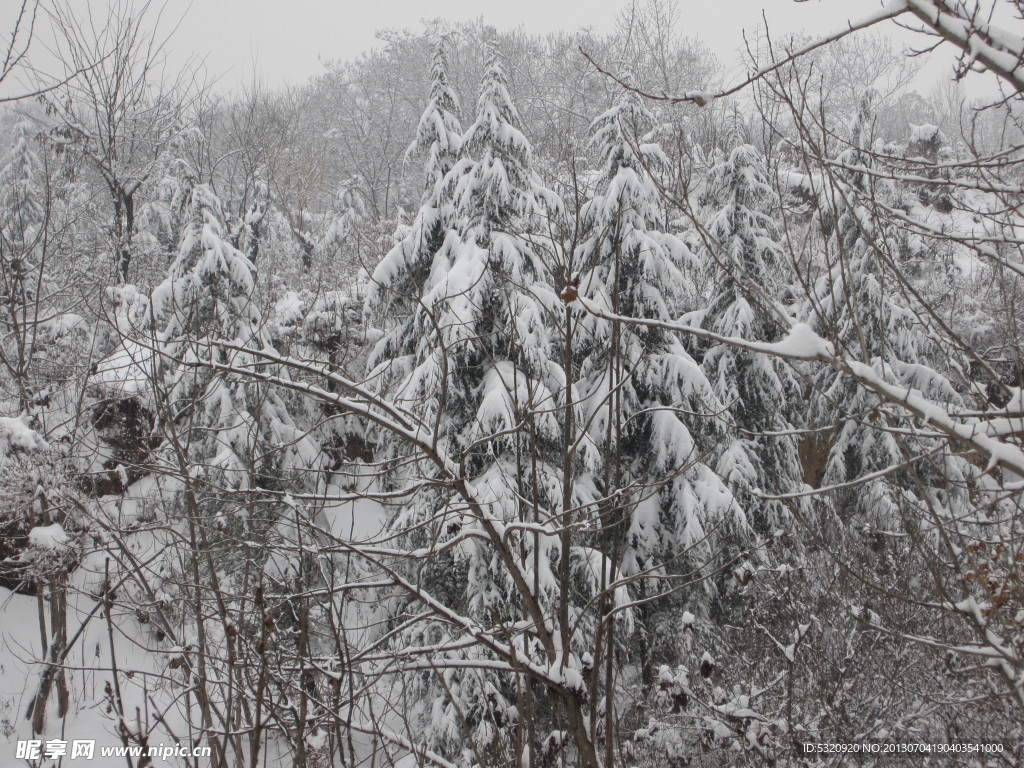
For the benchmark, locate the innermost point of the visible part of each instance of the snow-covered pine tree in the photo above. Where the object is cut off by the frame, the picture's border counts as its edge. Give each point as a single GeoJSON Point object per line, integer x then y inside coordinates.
{"type": "Point", "coordinates": [477, 310]}
{"type": "Point", "coordinates": [643, 391]}
{"type": "Point", "coordinates": [500, 335]}
{"type": "Point", "coordinates": [20, 211]}
{"type": "Point", "coordinates": [397, 286]}
{"type": "Point", "coordinates": [407, 300]}
{"type": "Point", "coordinates": [233, 437]}
{"type": "Point", "coordinates": [21, 218]}
{"type": "Point", "coordinates": [480, 367]}
{"type": "Point", "coordinates": [233, 432]}
{"type": "Point", "coordinates": [240, 428]}
{"type": "Point", "coordinates": [748, 273]}
{"type": "Point", "coordinates": [402, 277]}
{"type": "Point", "coordinates": [856, 305]}
{"type": "Point", "coordinates": [163, 216]}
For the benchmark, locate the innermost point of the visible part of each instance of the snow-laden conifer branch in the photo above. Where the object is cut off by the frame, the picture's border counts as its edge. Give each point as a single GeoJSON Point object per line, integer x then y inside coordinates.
{"type": "Point", "coordinates": [379, 411]}
{"type": "Point", "coordinates": [859, 481]}
{"type": "Point", "coordinates": [802, 343]}
{"type": "Point", "coordinates": [981, 243]}
{"type": "Point", "coordinates": [552, 675]}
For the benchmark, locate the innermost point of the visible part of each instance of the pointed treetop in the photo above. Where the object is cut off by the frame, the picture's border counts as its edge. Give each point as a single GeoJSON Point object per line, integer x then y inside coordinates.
{"type": "Point", "coordinates": [439, 133]}
{"type": "Point", "coordinates": [736, 129]}
{"type": "Point", "coordinates": [621, 135]}
{"type": "Point", "coordinates": [746, 235]}
{"type": "Point", "coordinates": [859, 152]}
{"type": "Point", "coordinates": [500, 188]}
{"type": "Point", "coordinates": [208, 291]}
{"type": "Point", "coordinates": [861, 128]}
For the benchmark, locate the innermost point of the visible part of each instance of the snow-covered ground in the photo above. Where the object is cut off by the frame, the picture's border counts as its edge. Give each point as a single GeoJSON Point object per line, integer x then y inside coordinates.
{"type": "Point", "coordinates": [152, 685]}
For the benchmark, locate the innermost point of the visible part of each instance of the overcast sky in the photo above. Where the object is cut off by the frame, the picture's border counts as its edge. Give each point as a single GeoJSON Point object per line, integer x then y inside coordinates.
{"type": "Point", "coordinates": [287, 38]}
{"type": "Point", "coordinates": [285, 41]}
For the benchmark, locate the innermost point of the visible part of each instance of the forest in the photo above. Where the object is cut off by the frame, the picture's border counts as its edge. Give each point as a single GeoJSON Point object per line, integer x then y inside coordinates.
{"type": "Point", "coordinates": [504, 399]}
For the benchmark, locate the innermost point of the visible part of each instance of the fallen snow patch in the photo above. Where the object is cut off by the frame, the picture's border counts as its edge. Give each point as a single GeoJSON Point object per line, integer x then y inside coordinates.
{"type": "Point", "coordinates": [48, 537]}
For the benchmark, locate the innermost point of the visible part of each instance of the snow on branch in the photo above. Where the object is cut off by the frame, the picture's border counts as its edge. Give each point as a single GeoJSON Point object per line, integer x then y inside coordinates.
{"type": "Point", "coordinates": [981, 43]}
{"type": "Point", "coordinates": [888, 11]}
{"type": "Point", "coordinates": [406, 426]}
{"type": "Point", "coordinates": [802, 343]}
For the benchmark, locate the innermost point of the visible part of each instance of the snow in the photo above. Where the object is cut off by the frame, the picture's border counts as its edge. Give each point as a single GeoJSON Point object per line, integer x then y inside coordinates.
{"type": "Point", "coordinates": [923, 133]}
{"type": "Point", "coordinates": [971, 607]}
{"type": "Point", "coordinates": [17, 437]}
{"type": "Point", "coordinates": [468, 410]}
{"type": "Point", "coordinates": [88, 670]}
{"type": "Point", "coordinates": [128, 370]}
{"type": "Point", "coordinates": [360, 520]}
{"type": "Point", "coordinates": [51, 537]}
{"type": "Point", "coordinates": [290, 308]}
{"type": "Point", "coordinates": [800, 343]}
{"type": "Point", "coordinates": [64, 325]}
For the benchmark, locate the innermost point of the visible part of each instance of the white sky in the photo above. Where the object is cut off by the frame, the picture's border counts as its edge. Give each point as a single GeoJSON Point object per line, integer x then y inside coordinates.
{"type": "Point", "coordinates": [284, 41]}
{"type": "Point", "coordinates": [287, 38]}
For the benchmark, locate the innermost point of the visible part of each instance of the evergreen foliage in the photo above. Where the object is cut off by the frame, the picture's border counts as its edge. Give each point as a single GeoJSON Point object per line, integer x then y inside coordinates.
{"type": "Point", "coordinates": [748, 275]}
{"type": "Point", "coordinates": [642, 390]}
{"type": "Point", "coordinates": [856, 304]}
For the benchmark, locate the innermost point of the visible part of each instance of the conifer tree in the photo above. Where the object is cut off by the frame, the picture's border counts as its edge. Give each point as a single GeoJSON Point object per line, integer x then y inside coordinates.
{"type": "Point", "coordinates": [231, 437]}
{"type": "Point", "coordinates": [501, 337]}
{"type": "Point", "coordinates": [643, 391]}
{"type": "Point", "coordinates": [748, 273]}
{"type": "Point", "coordinates": [856, 305]}
{"type": "Point", "coordinates": [408, 365]}
{"type": "Point", "coordinates": [402, 274]}
{"type": "Point", "coordinates": [21, 213]}
{"type": "Point", "coordinates": [407, 292]}
{"type": "Point", "coordinates": [21, 222]}
{"type": "Point", "coordinates": [406, 361]}
{"type": "Point", "coordinates": [205, 315]}
{"type": "Point", "coordinates": [476, 364]}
